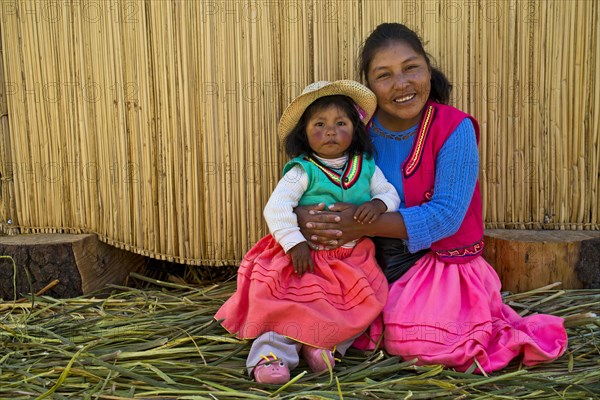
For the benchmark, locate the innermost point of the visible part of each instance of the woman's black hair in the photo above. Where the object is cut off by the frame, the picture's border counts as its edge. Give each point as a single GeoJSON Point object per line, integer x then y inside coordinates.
{"type": "Point", "coordinates": [388, 33]}
{"type": "Point", "coordinates": [296, 142]}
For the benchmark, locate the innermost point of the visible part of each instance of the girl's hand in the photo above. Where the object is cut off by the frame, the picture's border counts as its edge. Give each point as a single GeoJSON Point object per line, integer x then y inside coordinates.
{"type": "Point", "coordinates": [301, 258]}
{"type": "Point", "coordinates": [369, 211]}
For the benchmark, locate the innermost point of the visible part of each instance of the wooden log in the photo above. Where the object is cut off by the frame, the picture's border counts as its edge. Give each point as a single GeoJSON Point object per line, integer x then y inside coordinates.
{"type": "Point", "coordinates": [529, 259]}
{"type": "Point", "coordinates": [588, 268]}
{"type": "Point", "coordinates": [81, 263]}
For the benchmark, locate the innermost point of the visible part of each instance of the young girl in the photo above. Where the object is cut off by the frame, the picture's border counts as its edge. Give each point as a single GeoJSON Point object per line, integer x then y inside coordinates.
{"type": "Point", "coordinates": [293, 300]}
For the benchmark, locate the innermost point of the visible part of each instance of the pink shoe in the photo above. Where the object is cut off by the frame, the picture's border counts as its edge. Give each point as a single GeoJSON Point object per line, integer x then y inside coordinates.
{"type": "Point", "coordinates": [271, 370]}
{"type": "Point", "coordinates": [314, 358]}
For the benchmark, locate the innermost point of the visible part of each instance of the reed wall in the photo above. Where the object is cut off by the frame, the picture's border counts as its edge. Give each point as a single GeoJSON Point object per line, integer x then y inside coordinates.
{"type": "Point", "coordinates": [153, 123]}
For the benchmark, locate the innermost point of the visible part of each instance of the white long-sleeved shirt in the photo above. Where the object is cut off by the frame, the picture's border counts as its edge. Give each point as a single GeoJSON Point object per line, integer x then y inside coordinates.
{"type": "Point", "coordinates": [279, 211]}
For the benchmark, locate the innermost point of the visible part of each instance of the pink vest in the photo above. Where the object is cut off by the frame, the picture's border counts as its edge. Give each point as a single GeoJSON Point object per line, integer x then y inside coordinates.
{"type": "Point", "coordinates": [418, 176]}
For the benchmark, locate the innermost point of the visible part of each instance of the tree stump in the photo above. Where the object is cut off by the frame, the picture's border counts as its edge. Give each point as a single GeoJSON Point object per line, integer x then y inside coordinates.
{"type": "Point", "coordinates": [529, 259]}
{"type": "Point", "coordinates": [81, 263]}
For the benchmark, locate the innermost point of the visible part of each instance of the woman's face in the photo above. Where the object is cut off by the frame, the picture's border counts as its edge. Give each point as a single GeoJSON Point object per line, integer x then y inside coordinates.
{"type": "Point", "coordinates": [401, 79]}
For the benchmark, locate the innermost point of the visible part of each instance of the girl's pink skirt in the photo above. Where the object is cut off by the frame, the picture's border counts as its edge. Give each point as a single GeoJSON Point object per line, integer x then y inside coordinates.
{"type": "Point", "coordinates": [338, 302]}
{"type": "Point", "coordinates": [452, 314]}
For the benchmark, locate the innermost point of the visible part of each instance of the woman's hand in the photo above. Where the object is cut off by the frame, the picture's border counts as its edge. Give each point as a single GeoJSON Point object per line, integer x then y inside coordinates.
{"type": "Point", "coordinates": [349, 228]}
{"type": "Point", "coordinates": [329, 229]}
{"type": "Point", "coordinates": [317, 225]}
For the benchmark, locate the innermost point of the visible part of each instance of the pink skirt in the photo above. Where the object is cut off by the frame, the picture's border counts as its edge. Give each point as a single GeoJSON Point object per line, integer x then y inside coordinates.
{"type": "Point", "coordinates": [337, 302]}
{"type": "Point", "coordinates": [453, 314]}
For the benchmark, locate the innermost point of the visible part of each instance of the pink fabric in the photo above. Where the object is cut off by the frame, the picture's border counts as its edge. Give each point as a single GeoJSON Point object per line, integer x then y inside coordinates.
{"type": "Point", "coordinates": [451, 314]}
{"type": "Point", "coordinates": [338, 301]}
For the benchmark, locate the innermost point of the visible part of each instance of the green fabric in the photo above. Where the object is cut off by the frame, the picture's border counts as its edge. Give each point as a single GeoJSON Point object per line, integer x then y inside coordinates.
{"type": "Point", "coordinates": [322, 190]}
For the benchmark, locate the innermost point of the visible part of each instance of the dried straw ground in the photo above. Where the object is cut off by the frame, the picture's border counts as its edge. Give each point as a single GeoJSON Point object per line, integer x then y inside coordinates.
{"type": "Point", "coordinates": [159, 340]}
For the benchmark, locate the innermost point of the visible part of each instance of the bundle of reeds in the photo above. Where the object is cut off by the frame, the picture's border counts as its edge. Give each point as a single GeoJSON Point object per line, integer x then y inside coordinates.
{"type": "Point", "coordinates": [162, 342]}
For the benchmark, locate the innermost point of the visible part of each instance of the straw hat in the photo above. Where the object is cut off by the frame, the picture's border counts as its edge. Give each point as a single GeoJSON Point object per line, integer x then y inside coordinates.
{"type": "Point", "coordinates": [362, 96]}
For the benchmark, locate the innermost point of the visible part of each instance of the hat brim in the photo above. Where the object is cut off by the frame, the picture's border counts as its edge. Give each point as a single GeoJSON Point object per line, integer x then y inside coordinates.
{"type": "Point", "coordinates": [361, 95]}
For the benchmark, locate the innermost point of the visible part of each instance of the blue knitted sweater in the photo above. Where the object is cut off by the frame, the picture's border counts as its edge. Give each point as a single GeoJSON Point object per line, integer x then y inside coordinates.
{"type": "Point", "coordinates": [457, 169]}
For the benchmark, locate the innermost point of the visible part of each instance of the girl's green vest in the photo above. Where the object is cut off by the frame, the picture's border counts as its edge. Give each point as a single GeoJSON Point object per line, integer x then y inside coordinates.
{"type": "Point", "coordinates": [327, 186]}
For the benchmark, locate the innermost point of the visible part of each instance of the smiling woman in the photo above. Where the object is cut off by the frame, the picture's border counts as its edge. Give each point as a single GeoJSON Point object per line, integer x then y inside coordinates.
{"type": "Point", "coordinates": [401, 79]}
{"type": "Point", "coordinates": [444, 304]}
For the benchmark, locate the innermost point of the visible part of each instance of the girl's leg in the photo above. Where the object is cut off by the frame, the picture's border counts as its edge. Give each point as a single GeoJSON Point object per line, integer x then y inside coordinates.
{"type": "Point", "coordinates": [270, 345]}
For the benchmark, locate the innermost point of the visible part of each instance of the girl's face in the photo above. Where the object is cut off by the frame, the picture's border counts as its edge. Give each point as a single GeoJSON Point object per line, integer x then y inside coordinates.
{"type": "Point", "coordinates": [329, 132]}
{"type": "Point", "coordinates": [401, 79]}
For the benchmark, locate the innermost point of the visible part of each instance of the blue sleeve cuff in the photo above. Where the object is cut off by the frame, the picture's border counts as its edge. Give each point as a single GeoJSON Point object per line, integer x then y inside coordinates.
{"type": "Point", "coordinates": [417, 230]}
